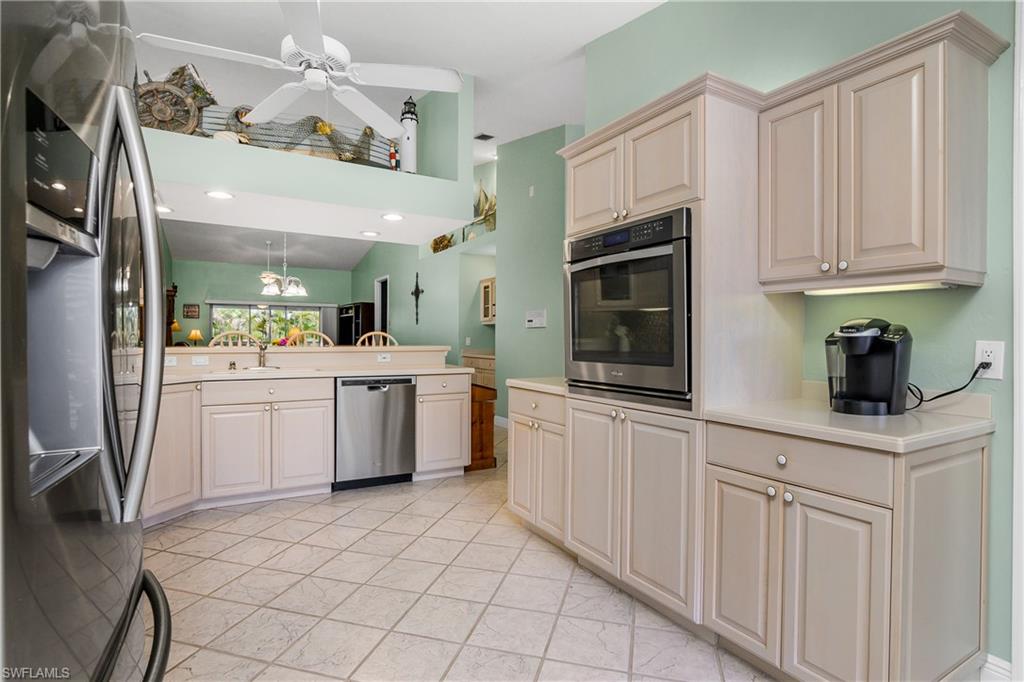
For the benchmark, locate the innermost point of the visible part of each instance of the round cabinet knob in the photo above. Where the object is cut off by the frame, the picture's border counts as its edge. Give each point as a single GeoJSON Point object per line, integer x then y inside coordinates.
{"type": "Point", "coordinates": [614, 414]}
{"type": "Point", "coordinates": [533, 406]}
{"type": "Point", "coordinates": [199, 387]}
{"type": "Point", "coordinates": [536, 425]}
{"type": "Point", "coordinates": [770, 490]}
{"type": "Point", "coordinates": [444, 384]}
{"type": "Point", "coordinates": [843, 265]}
{"type": "Point", "coordinates": [270, 391]}
{"type": "Point", "coordinates": [622, 415]}
{"type": "Point", "coordinates": [625, 212]}
{"type": "Point", "coordinates": [277, 407]}
{"type": "Point", "coordinates": [266, 408]}
{"type": "Point", "coordinates": [421, 400]}
{"type": "Point", "coordinates": [825, 267]}
{"type": "Point", "coordinates": [787, 496]}
{"type": "Point", "coordinates": [781, 459]}
{"type": "Point", "coordinates": [615, 215]}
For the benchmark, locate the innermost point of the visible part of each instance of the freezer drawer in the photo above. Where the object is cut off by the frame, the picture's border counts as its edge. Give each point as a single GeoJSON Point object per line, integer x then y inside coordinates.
{"type": "Point", "coordinates": [376, 428]}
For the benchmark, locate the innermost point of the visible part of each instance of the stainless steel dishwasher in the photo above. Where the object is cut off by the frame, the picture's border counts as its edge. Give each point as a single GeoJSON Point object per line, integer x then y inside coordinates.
{"type": "Point", "coordinates": [376, 431]}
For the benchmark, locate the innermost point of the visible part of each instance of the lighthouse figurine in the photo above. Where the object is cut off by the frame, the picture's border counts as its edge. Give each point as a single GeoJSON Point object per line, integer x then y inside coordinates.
{"type": "Point", "coordinates": [407, 146]}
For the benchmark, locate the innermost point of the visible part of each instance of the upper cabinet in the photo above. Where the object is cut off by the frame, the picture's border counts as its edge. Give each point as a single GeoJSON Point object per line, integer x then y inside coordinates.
{"type": "Point", "coordinates": [652, 164]}
{"type": "Point", "coordinates": [873, 172]}
{"type": "Point", "coordinates": [488, 301]}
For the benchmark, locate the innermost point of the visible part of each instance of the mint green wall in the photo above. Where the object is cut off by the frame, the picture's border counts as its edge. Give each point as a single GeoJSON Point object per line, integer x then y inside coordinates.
{"type": "Point", "coordinates": [529, 263]}
{"type": "Point", "coordinates": [486, 174]}
{"type": "Point", "coordinates": [472, 269]}
{"type": "Point", "coordinates": [767, 44]}
{"type": "Point", "coordinates": [436, 137]}
{"type": "Point", "coordinates": [199, 281]}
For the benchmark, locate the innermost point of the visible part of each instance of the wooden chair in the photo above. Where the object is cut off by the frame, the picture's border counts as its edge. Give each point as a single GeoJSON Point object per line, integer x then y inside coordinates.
{"type": "Point", "coordinates": [377, 339]}
{"type": "Point", "coordinates": [304, 338]}
{"type": "Point", "coordinates": [234, 339]}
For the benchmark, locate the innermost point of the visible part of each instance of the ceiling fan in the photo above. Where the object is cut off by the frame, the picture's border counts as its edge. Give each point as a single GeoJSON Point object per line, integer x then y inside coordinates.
{"type": "Point", "coordinates": [321, 61]}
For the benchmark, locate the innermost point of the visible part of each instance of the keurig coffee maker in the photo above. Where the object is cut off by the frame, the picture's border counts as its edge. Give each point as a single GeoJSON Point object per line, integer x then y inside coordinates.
{"type": "Point", "coordinates": [868, 367]}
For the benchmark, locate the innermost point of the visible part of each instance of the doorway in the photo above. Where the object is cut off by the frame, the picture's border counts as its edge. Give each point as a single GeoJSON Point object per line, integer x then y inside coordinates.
{"type": "Point", "coordinates": [381, 304]}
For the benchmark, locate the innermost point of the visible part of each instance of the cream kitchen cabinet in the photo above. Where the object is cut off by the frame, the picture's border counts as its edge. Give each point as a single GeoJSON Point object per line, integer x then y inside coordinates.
{"type": "Point", "coordinates": [488, 301]}
{"type": "Point", "coordinates": [651, 166]}
{"type": "Point", "coordinates": [879, 176]}
{"type": "Point", "coordinates": [236, 449]}
{"type": "Point", "coordinates": [536, 461]}
{"type": "Point", "coordinates": [174, 479]}
{"type": "Point", "coordinates": [302, 451]}
{"type": "Point", "coordinates": [442, 423]}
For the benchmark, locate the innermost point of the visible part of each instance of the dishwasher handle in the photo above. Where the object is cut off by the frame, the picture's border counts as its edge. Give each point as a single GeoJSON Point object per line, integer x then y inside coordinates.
{"type": "Point", "coordinates": [378, 387]}
{"type": "Point", "coordinates": [377, 383]}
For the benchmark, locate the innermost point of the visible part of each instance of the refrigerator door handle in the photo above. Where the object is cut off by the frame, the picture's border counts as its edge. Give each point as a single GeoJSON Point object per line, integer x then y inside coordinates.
{"type": "Point", "coordinates": [153, 350]}
{"type": "Point", "coordinates": [161, 627]}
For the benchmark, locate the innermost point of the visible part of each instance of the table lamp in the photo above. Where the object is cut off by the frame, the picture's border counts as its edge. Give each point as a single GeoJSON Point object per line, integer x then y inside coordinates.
{"type": "Point", "coordinates": [175, 327]}
{"type": "Point", "coordinates": [195, 336]}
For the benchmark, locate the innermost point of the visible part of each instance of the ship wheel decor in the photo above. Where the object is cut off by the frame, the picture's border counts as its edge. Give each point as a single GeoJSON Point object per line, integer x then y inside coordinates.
{"type": "Point", "coordinates": [174, 104]}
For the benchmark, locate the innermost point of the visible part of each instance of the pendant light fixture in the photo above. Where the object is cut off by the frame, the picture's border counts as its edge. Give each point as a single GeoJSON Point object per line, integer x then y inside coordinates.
{"type": "Point", "coordinates": [281, 285]}
{"type": "Point", "coordinates": [292, 285]}
{"type": "Point", "coordinates": [270, 278]}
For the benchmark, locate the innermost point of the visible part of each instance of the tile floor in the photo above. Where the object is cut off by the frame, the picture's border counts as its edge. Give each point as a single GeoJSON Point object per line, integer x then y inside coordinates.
{"type": "Point", "coordinates": [417, 581]}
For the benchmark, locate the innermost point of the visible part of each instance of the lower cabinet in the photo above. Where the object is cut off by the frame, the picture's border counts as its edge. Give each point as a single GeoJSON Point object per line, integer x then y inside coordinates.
{"type": "Point", "coordinates": [173, 479]}
{"type": "Point", "coordinates": [536, 472]}
{"type": "Point", "coordinates": [302, 453]}
{"type": "Point", "coordinates": [442, 431]}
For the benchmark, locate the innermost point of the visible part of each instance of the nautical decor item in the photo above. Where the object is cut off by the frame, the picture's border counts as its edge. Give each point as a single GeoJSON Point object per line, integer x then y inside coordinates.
{"type": "Point", "coordinates": [290, 136]}
{"type": "Point", "coordinates": [439, 244]}
{"type": "Point", "coordinates": [416, 293]}
{"type": "Point", "coordinates": [407, 145]}
{"type": "Point", "coordinates": [175, 103]}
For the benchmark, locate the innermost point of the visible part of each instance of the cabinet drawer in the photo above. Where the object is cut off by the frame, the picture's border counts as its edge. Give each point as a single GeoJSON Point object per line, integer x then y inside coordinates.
{"type": "Point", "coordinates": [432, 384]}
{"type": "Point", "coordinates": [478, 363]}
{"type": "Point", "coordinates": [537, 405]}
{"type": "Point", "coordinates": [850, 472]}
{"type": "Point", "coordinates": [266, 391]}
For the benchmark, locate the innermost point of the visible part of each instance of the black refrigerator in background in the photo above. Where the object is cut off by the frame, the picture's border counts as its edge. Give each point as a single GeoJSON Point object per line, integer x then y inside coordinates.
{"type": "Point", "coordinates": [81, 356]}
{"type": "Point", "coordinates": [354, 320]}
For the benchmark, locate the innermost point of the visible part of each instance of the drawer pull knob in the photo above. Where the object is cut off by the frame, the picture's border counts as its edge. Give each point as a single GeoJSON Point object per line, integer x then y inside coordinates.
{"type": "Point", "coordinates": [622, 415]}
{"type": "Point", "coordinates": [614, 414]}
{"type": "Point", "coordinates": [266, 408]}
{"type": "Point", "coordinates": [270, 391]}
{"type": "Point", "coordinates": [787, 497]}
{"type": "Point", "coordinates": [625, 213]}
{"type": "Point", "coordinates": [781, 459]}
{"type": "Point", "coordinates": [444, 384]}
{"type": "Point", "coordinates": [199, 387]}
{"type": "Point", "coordinates": [825, 267]}
{"type": "Point", "coordinates": [771, 491]}
{"type": "Point", "coordinates": [536, 425]}
{"type": "Point", "coordinates": [843, 265]}
{"type": "Point", "coordinates": [533, 406]}
{"type": "Point", "coordinates": [421, 400]}
{"type": "Point", "coordinates": [615, 215]}
{"type": "Point", "coordinates": [277, 407]}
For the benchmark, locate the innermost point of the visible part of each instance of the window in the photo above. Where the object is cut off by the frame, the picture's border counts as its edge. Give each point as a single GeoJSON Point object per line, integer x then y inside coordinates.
{"type": "Point", "coordinates": [267, 323]}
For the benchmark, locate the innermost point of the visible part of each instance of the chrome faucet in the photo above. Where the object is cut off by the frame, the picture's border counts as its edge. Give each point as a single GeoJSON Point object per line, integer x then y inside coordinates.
{"type": "Point", "coordinates": [262, 347]}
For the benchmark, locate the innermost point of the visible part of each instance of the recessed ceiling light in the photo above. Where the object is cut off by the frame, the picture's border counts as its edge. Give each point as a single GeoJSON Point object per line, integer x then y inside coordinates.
{"type": "Point", "coordinates": [78, 209]}
{"type": "Point", "coordinates": [370, 233]}
{"type": "Point", "coordinates": [219, 194]}
{"type": "Point", "coordinates": [393, 217]}
{"type": "Point", "coordinates": [59, 186]}
{"type": "Point", "coordinates": [494, 156]}
{"type": "Point", "coordinates": [164, 209]}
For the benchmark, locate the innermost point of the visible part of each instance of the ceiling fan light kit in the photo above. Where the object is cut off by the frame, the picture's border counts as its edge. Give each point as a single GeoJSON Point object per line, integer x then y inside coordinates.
{"type": "Point", "coordinates": [321, 61]}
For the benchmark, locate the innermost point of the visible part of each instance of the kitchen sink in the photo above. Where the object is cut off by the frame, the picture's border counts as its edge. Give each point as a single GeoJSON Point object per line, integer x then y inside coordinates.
{"type": "Point", "coordinates": [265, 368]}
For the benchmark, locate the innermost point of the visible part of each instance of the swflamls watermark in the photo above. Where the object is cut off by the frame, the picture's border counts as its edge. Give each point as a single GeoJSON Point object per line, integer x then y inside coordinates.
{"type": "Point", "coordinates": [29, 673]}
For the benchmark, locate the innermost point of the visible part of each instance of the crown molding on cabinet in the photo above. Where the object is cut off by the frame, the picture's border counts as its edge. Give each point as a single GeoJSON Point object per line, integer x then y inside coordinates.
{"type": "Point", "coordinates": [708, 83]}
{"type": "Point", "coordinates": [959, 28]}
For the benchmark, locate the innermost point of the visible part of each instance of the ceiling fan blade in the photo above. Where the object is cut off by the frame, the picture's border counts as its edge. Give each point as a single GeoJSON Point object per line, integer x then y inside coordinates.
{"type": "Point", "coordinates": [302, 18]}
{"type": "Point", "coordinates": [212, 51]}
{"type": "Point", "coordinates": [276, 102]}
{"type": "Point", "coordinates": [360, 105]}
{"type": "Point", "coordinates": [404, 76]}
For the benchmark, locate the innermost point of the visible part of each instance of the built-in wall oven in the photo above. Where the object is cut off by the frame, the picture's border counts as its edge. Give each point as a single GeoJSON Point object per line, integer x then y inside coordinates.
{"type": "Point", "coordinates": [628, 314]}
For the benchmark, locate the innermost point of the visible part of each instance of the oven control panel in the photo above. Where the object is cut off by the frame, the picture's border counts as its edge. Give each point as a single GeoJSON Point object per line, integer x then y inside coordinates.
{"type": "Point", "coordinates": [662, 228]}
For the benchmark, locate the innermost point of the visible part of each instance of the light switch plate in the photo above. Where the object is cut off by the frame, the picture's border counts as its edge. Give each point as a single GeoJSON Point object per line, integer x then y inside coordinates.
{"type": "Point", "coordinates": [200, 360]}
{"type": "Point", "coordinates": [536, 319]}
{"type": "Point", "coordinates": [383, 357]}
{"type": "Point", "coordinates": [990, 351]}
{"type": "Point", "coordinates": [170, 361]}
{"type": "Point", "coordinates": [469, 341]}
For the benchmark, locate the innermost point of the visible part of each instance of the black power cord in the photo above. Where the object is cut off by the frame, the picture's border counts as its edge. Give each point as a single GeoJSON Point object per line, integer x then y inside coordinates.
{"type": "Point", "coordinates": [919, 394]}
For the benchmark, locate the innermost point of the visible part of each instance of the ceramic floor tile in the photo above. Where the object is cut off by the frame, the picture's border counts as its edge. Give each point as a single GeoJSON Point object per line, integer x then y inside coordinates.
{"type": "Point", "coordinates": [488, 557]}
{"type": "Point", "coordinates": [364, 518]}
{"type": "Point", "coordinates": [389, 503]}
{"type": "Point", "coordinates": [207, 519]}
{"type": "Point", "coordinates": [538, 544]}
{"type": "Point", "coordinates": [178, 652]}
{"type": "Point", "coordinates": [736, 670]}
{"type": "Point", "coordinates": [276, 673]}
{"type": "Point", "coordinates": [314, 498]}
{"type": "Point", "coordinates": [436, 550]}
{"type": "Point", "coordinates": [576, 640]}
{"type": "Point", "coordinates": [647, 617]}
{"type": "Point", "coordinates": [467, 583]}
{"type": "Point", "coordinates": [284, 508]}
{"type": "Point", "coordinates": [264, 634]}
{"type": "Point", "coordinates": [503, 517]}
{"type": "Point", "coordinates": [382, 544]}
{"type": "Point", "coordinates": [480, 665]}
{"type": "Point", "coordinates": [313, 596]}
{"type": "Point", "coordinates": [207, 544]}
{"type": "Point", "coordinates": [244, 508]}
{"type": "Point", "coordinates": [249, 524]}
{"type": "Point", "coordinates": [166, 537]}
{"type": "Point", "coordinates": [213, 665]}
{"type": "Point", "coordinates": [332, 648]}
{"type": "Point", "coordinates": [206, 576]}
{"type": "Point", "coordinates": [448, 494]}
{"type": "Point", "coordinates": [374, 606]}
{"type": "Point", "coordinates": [441, 618]}
{"type": "Point", "coordinates": [290, 530]}
{"type": "Point", "coordinates": [335, 537]}
{"type": "Point", "coordinates": [600, 602]}
{"type": "Point", "coordinates": [429, 508]}
{"type": "Point", "coordinates": [478, 513]}
{"type": "Point", "coordinates": [408, 524]}
{"type": "Point", "coordinates": [454, 529]}
{"type": "Point", "coordinates": [514, 630]}
{"type": "Point", "coordinates": [253, 551]}
{"type": "Point", "coordinates": [321, 513]}
{"type": "Point", "coordinates": [403, 574]}
{"type": "Point", "coordinates": [200, 623]}
{"type": "Point", "coordinates": [557, 671]}
{"type": "Point", "coordinates": [673, 655]}
{"type": "Point", "coordinates": [258, 586]}
{"type": "Point", "coordinates": [557, 566]}
{"type": "Point", "coordinates": [402, 657]}
{"type": "Point", "coordinates": [164, 565]}
{"type": "Point", "coordinates": [505, 536]}
{"type": "Point", "coordinates": [527, 592]}
{"type": "Point", "coordinates": [300, 559]}
{"type": "Point", "coordinates": [352, 567]}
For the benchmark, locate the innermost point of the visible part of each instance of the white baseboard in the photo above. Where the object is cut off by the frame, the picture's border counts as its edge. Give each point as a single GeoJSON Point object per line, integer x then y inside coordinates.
{"type": "Point", "coordinates": [995, 670]}
{"type": "Point", "coordinates": [501, 421]}
{"type": "Point", "coordinates": [440, 473]}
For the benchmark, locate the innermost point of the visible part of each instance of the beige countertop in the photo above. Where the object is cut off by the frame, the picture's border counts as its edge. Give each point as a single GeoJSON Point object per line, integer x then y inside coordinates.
{"type": "Point", "coordinates": [812, 418]}
{"type": "Point", "coordinates": [485, 353]}
{"type": "Point", "coordinates": [242, 374]}
{"type": "Point", "coordinates": [555, 385]}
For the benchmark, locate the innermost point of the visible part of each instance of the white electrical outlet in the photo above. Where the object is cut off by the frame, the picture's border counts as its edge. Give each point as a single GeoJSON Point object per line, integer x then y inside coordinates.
{"type": "Point", "coordinates": [989, 351]}
{"type": "Point", "coordinates": [531, 190]}
{"type": "Point", "coordinates": [383, 357]}
{"type": "Point", "coordinates": [469, 341]}
{"type": "Point", "coordinates": [170, 361]}
{"type": "Point", "coordinates": [200, 360]}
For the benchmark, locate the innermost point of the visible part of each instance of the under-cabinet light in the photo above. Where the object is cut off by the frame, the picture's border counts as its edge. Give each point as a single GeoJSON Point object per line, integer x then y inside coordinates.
{"type": "Point", "coordinates": [879, 289]}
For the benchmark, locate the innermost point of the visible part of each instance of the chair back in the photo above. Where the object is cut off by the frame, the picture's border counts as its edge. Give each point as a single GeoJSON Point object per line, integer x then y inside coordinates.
{"type": "Point", "coordinates": [377, 339]}
{"type": "Point", "coordinates": [310, 338]}
{"type": "Point", "coordinates": [234, 339]}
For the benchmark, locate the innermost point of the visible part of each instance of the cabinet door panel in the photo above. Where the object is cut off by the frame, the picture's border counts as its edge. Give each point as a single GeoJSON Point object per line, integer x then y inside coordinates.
{"type": "Point", "coordinates": [743, 561]}
{"type": "Point", "coordinates": [594, 187]}
{"type": "Point", "coordinates": [663, 160]}
{"type": "Point", "coordinates": [797, 193]}
{"type": "Point", "coordinates": [836, 609]}
{"type": "Point", "coordinates": [890, 175]}
{"type": "Point", "coordinates": [303, 447]}
{"type": "Point", "coordinates": [660, 458]}
{"type": "Point", "coordinates": [442, 431]}
{"type": "Point", "coordinates": [520, 466]}
{"type": "Point", "coordinates": [236, 449]}
{"type": "Point", "coordinates": [173, 479]}
{"type": "Point", "coordinates": [550, 488]}
{"type": "Point", "coordinates": [592, 527]}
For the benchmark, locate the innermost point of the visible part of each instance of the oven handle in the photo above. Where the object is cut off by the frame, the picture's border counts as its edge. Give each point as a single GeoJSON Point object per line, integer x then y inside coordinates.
{"type": "Point", "coordinates": [652, 252]}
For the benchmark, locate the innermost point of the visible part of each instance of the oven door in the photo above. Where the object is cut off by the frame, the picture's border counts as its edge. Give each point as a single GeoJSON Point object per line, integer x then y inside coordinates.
{"type": "Point", "coordinates": [628, 321]}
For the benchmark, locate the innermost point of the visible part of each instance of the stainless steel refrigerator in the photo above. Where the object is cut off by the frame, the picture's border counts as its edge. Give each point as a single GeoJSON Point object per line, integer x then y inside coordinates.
{"type": "Point", "coordinates": [81, 347]}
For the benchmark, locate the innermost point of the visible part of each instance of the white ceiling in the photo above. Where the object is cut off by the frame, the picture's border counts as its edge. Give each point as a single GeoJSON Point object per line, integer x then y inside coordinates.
{"type": "Point", "coordinates": [220, 243]}
{"type": "Point", "coordinates": [527, 57]}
